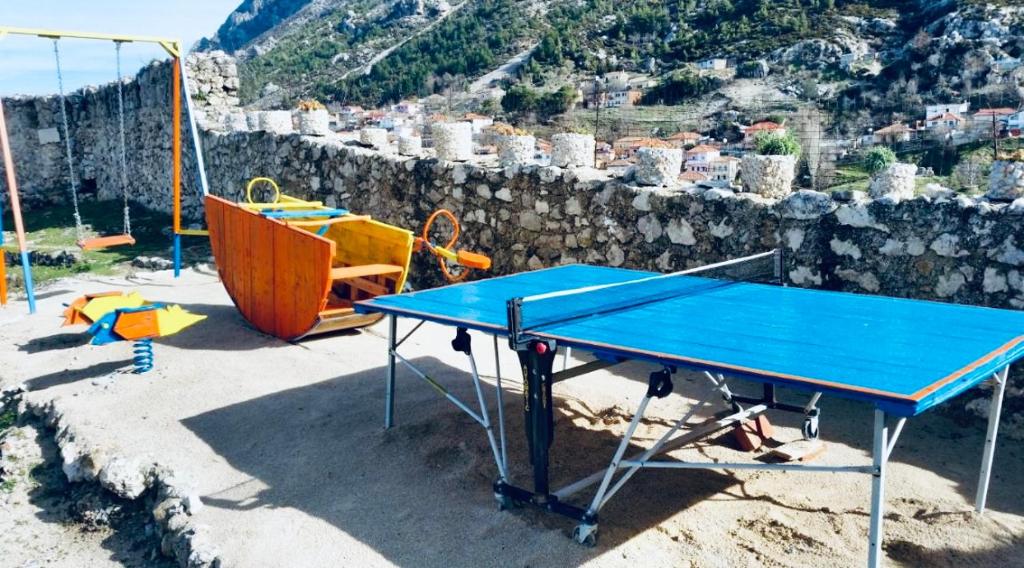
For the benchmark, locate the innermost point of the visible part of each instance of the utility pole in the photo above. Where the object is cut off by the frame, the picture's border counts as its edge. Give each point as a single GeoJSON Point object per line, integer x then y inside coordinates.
{"type": "Point", "coordinates": [597, 114]}
{"type": "Point", "coordinates": [995, 138]}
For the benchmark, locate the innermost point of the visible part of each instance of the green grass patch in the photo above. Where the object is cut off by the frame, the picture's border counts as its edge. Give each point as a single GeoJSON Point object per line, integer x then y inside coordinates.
{"type": "Point", "coordinates": [7, 420]}
{"type": "Point", "coordinates": [52, 229]}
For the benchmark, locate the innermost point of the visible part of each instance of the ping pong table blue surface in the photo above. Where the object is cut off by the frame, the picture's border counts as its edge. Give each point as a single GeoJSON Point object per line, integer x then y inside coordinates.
{"type": "Point", "coordinates": [903, 355]}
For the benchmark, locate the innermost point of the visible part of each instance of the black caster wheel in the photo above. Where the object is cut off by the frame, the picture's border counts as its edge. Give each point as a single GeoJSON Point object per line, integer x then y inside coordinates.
{"type": "Point", "coordinates": [810, 429]}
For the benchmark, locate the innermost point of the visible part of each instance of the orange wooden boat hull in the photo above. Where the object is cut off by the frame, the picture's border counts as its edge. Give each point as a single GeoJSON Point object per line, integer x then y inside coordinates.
{"type": "Point", "coordinates": [290, 283]}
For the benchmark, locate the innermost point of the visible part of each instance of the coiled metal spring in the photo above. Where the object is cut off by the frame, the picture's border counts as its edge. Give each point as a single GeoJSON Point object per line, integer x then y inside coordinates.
{"type": "Point", "coordinates": [142, 355]}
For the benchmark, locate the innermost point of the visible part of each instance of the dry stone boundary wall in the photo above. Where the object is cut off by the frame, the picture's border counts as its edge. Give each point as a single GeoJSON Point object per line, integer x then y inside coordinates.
{"type": "Point", "coordinates": [948, 248]}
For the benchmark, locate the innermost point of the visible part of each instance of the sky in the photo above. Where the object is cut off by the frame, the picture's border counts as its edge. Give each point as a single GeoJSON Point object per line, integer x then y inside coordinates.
{"type": "Point", "coordinates": [27, 63]}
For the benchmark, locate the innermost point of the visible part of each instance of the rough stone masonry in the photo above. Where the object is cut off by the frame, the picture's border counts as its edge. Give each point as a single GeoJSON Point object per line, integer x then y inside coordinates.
{"type": "Point", "coordinates": [943, 247]}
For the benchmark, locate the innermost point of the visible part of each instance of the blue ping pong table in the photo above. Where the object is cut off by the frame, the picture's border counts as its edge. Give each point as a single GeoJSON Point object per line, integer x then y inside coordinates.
{"type": "Point", "coordinates": [901, 356]}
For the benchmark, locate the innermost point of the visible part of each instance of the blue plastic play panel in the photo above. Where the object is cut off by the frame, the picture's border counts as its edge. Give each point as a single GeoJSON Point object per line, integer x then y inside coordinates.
{"type": "Point", "coordinates": [903, 355]}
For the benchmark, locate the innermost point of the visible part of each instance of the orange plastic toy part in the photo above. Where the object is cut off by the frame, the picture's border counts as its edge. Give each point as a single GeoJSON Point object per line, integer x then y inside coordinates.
{"type": "Point", "coordinates": [467, 259]}
{"type": "Point", "coordinates": [137, 325]}
{"type": "Point", "coordinates": [3, 279]}
{"type": "Point", "coordinates": [73, 314]}
{"type": "Point", "coordinates": [474, 260]}
{"type": "Point", "coordinates": [106, 242]}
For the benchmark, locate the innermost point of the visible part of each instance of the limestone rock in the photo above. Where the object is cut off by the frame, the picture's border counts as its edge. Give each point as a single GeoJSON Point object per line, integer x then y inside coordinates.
{"type": "Point", "coordinates": [314, 122]}
{"type": "Point", "coordinates": [770, 176]}
{"type": "Point", "coordinates": [410, 145]}
{"type": "Point", "coordinates": [453, 140]}
{"type": "Point", "coordinates": [658, 166]}
{"type": "Point", "coordinates": [376, 137]}
{"type": "Point", "coordinates": [276, 121]}
{"type": "Point", "coordinates": [806, 204]}
{"type": "Point", "coordinates": [126, 477]}
{"type": "Point", "coordinates": [895, 182]}
{"type": "Point", "coordinates": [1006, 182]}
{"type": "Point", "coordinates": [570, 150]}
{"type": "Point", "coordinates": [515, 150]}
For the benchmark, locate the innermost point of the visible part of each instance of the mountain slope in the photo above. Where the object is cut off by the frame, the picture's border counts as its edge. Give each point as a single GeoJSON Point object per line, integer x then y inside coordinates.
{"type": "Point", "coordinates": [370, 52]}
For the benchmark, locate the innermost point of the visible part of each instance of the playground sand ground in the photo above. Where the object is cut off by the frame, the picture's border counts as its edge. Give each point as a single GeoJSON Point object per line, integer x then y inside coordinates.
{"type": "Point", "coordinates": [286, 446]}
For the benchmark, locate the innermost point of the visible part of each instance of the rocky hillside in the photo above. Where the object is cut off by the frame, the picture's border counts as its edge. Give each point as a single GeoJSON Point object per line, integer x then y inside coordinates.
{"type": "Point", "coordinates": [249, 21]}
{"type": "Point", "coordinates": [905, 52]}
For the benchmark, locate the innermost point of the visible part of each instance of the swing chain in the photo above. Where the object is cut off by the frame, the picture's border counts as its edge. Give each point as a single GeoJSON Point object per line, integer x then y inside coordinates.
{"type": "Point", "coordinates": [124, 151]}
{"type": "Point", "coordinates": [79, 231]}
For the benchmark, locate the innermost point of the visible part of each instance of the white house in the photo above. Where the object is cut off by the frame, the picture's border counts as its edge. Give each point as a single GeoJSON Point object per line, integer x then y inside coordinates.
{"type": "Point", "coordinates": [951, 108]}
{"type": "Point", "coordinates": [1015, 120]}
{"type": "Point", "coordinates": [699, 158]}
{"type": "Point", "coordinates": [713, 64]}
{"type": "Point", "coordinates": [616, 81]}
{"type": "Point", "coordinates": [724, 170]}
{"type": "Point", "coordinates": [983, 119]}
{"type": "Point", "coordinates": [945, 120]}
{"type": "Point", "coordinates": [408, 107]}
{"type": "Point", "coordinates": [618, 99]}
{"type": "Point", "coordinates": [1007, 64]}
{"type": "Point", "coordinates": [478, 121]}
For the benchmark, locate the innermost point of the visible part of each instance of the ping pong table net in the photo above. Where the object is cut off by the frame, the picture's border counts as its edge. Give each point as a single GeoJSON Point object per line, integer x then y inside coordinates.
{"type": "Point", "coordinates": [533, 313]}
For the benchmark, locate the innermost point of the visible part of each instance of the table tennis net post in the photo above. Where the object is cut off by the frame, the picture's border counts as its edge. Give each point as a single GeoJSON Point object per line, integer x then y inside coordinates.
{"type": "Point", "coordinates": [541, 310]}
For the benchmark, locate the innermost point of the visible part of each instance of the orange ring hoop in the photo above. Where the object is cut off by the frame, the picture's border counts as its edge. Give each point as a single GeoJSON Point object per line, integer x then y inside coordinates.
{"type": "Point", "coordinates": [425, 237]}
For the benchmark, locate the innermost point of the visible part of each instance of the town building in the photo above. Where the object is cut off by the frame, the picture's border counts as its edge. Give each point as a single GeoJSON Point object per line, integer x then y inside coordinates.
{"type": "Point", "coordinates": [946, 121]}
{"type": "Point", "coordinates": [959, 109]}
{"type": "Point", "coordinates": [699, 158]}
{"type": "Point", "coordinates": [985, 117]}
{"type": "Point", "coordinates": [626, 147]}
{"type": "Point", "coordinates": [478, 121]}
{"type": "Point", "coordinates": [1015, 120]}
{"type": "Point", "coordinates": [410, 108]}
{"type": "Point", "coordinates": [619, 99]}
{"type": "Point", "coordinates": [723, 170]}
{"type": "Point", "coordinates": [893, 134]}
{"type": "Point", "coordinates": [692, 177]}
{"type": "Point", "coordinates": [684, 139]}
{"type": "Point", "coordinates": [713, 64]}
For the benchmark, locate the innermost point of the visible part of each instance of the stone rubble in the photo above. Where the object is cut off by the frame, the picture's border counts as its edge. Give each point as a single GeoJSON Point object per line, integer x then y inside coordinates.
{"type": "Point", "coordinates": [134, 477]}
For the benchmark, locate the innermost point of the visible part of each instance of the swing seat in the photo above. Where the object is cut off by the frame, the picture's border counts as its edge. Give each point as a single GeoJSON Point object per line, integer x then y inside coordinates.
{"type": "Point", "coordinates": [106, 242]}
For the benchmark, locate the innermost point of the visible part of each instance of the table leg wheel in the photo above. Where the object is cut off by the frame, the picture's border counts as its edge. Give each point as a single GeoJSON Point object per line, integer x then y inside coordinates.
{"type": "Point", "coordinates": [505, 502]}
{"type": "Point", "coordinates": [810, 429]}
{"type": "Point", "coordinates": [585, 534]}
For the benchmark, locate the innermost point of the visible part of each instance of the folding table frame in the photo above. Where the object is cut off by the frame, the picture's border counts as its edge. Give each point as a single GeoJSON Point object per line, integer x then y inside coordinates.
{"type": "Point", "coordinates": [537, 359]}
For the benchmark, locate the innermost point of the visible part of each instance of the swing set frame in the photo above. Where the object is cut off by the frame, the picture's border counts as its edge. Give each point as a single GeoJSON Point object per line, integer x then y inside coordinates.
{"type": "Point", "coordinates": [179, 97]}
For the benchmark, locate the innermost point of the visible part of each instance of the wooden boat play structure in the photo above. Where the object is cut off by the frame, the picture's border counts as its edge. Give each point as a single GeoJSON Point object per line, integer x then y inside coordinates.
{"type": "Point", "coordinates": [294, 268]}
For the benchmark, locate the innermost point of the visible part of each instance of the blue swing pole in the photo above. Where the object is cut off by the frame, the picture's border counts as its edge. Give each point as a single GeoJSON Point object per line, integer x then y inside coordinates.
{"type": "Point", "coordinates": [19, 226]}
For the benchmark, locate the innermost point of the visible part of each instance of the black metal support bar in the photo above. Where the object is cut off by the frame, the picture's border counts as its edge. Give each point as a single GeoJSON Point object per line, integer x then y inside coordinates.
{"type": "Point", "coordinates": [770, 403]}
{"type": "Point", "coordinates": [595, 365]}
{"type": "Point", "coordinates": [537, 359]}
{"type": "Point", "coordinates": [549, 503]}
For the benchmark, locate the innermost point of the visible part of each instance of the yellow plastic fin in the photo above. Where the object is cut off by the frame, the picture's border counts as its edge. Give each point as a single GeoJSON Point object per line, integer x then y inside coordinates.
{"type": "Point", "coordinates": [98, 307]}
{"type": "Point", "coordinates": [173, 319]}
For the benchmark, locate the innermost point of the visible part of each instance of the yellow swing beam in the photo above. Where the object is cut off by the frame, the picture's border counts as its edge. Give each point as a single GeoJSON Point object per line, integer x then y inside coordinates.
{"type": "Point", "coordinates": [173, 48]}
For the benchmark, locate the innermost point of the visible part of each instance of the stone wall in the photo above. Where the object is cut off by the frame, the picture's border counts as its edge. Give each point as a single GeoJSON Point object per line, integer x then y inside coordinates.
{"type": "Point", "coordinates": [37, 138]}
{"type": "Point", "coordinates": [949, 248]}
